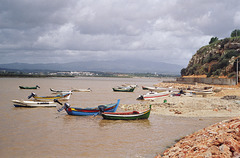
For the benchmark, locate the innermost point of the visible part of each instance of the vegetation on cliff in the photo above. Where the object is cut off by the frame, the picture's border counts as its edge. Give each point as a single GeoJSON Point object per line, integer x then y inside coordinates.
{"type": "Point", "coordinates": [219, 58]}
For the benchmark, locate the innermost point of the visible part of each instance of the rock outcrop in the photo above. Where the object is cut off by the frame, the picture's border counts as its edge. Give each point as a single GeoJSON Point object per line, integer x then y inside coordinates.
{"type": "Point", "coordinates": [216, 59]}
{"type": "Point", "coordinates": [221, 140]}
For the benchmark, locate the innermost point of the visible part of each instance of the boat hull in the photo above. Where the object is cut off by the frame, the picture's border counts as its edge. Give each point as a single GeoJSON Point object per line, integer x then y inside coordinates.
{"type": "Point", "coordinates": [82, 90]}
{"type": "Point", "coordinates": [127, 115]}
{"type": "Point", "coordinates": [153, 95]}
{"type": "Point", "coordinates": [32, 104]}
{"type": "Point", "coordinates": [91, 111]}
{"type": "Point", "coordinates": [21, 87]}
{"type": "Point", "coordinates": [123, 90]}
{"type": "Point", "coordinates": [58, 97]}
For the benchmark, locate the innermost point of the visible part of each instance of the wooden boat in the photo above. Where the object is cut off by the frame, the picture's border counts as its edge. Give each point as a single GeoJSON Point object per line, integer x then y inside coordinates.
{"type": "Point", "coordinates": [88, 111]}
{"type": "Point", "coordinates": [59, 91]}
{"type": "Point", "coordinates": [81, 90]}
{"type": "Point", "coordinates": [124, 89]}
{"type": "Point", "coordinates": [159, 89]}
{"type": "Point", "coordinates": [130, 85]}
{"type": "Point", "coordinates": [134, 115]}
{"type": "Point", "coordinates": [61, 96]}
{"type": "Point", "coordinates": [153, 95]}
{"type": "Point", "coordinates": [32, 104]}
{"type": "Point", "coordinates": [22, 87]}
{"type": "Point", "coordinates": [203, 93]}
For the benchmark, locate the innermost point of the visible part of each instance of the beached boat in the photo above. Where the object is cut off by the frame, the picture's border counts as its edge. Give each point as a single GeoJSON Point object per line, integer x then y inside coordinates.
{"type": "Point", "coordinates": [203, 93]}
{"type": "Point", "coordinates": [159, 89]}
{"type": "Point", "coordinates": [153, 95]}
{"type": "Point", "coordinates": [24, 87]}
{"type": "Point", "coordinates": [88, 111]}
{"type": "Point", "coordinates": [32, 104]}
{"type": "Point", "coordinates": [124, 89]}
{"type": "Point", "coordinates": [134, 115]}
{"type": "Point", "coordinates": [81, 90]}
{"type": "Point", "coordinates": [61, 96]}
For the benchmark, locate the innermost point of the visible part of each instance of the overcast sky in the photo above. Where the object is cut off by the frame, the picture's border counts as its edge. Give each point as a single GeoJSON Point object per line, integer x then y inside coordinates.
{"type": "Point", "coordinates": [56, 31]}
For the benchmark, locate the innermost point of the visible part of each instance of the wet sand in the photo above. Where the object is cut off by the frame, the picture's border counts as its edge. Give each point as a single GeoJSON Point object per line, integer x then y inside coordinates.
{"type": "Point", "coordinates": [211, 105]}
{"type": "Point", "coordinates": [218, 140]}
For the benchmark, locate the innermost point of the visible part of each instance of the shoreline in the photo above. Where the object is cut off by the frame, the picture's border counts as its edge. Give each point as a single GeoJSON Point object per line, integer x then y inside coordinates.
{"type": "Point", "coordinates": [219, 140]}
{"type": "Point", "coordinates": [184, 106]}
{"type": "Point", "coordinates": [223, 102]}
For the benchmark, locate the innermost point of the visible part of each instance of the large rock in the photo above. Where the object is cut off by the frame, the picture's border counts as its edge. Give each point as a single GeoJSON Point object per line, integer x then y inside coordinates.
{"type": "Point", "coordinates": [219, 140]}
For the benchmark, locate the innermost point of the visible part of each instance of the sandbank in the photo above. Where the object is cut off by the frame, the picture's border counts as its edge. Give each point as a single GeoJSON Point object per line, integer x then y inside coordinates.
{"type": "Point", "coordinates": [224, 102]}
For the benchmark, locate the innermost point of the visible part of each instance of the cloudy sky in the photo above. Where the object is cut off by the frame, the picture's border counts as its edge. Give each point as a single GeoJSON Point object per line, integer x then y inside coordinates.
{"type": "Point", "coordinates": [61, 31]}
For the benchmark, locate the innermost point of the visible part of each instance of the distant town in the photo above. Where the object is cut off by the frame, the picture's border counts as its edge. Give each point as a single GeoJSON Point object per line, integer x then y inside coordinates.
{"type": "Point", "coordinates": [49, 73]}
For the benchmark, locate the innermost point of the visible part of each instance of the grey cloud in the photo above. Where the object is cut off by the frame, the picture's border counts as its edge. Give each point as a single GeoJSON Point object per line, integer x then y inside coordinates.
{"type": "Point", "coordinates": [76, 30]}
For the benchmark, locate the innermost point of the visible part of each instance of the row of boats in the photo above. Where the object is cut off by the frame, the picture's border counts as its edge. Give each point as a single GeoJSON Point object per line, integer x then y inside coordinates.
{"type": "Point", "coordinates": [107, 111]}
{"type": "Point", "coordinates": [157, 92]}
{"type": "Point", "coordinates": [56, 91]}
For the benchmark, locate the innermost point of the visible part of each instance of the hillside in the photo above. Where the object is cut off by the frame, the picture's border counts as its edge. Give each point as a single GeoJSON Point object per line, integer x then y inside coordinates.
{"type": "Point", "coordinates": [216, 59]}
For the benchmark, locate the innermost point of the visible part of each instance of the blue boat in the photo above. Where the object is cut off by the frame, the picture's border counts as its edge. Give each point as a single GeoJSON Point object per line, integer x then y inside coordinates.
{"type": "Point", "coordinates": [89, 111]}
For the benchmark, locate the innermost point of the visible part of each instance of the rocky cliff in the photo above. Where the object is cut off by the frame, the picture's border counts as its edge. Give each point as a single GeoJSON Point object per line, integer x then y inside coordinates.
{"type": "Point", "coordinates": [215, 59]}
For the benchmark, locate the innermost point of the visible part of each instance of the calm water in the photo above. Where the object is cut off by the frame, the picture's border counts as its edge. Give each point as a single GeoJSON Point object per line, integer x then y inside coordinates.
{"type": "Point", "coordinates": [43, 132]}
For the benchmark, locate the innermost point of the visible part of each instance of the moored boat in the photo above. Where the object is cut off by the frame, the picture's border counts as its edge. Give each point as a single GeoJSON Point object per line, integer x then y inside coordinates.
{"type": "Point", "coordinates": [124, 89]}
{"type": "Point", "coordinates": [61, 96]}
{"type": "Point", "coordinates": [88, 111]}
{"type": "Point", "coordinates": [134, 115]}
{"type": "Point", "coordinates": [81, 90]}
{"type": "Point", "coordinates": [31, 104]}
{"type": "Point", "coordinates": [130, 85]}
{"type": "Point", "coordinates": [59, 91]}
{"type": "Point", "coordinates": [24, 87]}
{"type": "Point", "coordinates": [153, 95]}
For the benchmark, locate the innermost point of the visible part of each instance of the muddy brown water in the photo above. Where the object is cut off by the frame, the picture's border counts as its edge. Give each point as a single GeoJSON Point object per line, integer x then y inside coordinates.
{"type": "Point", "coordinates": [44, 132]}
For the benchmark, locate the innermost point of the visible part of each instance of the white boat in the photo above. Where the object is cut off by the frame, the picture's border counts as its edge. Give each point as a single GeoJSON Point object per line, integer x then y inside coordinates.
{"type": "Point", "coordinates": [153, 95]}
{"type": "Point", "coordinates": [59, 91]}
{"type": "Point", "coordinates": [81, 90]}
{"type": "Point", "coordinates": [30, 104]}
{"type": "Point", "coordinates": [159, 89]}
{"type": "Point", "coordinates": [130, 85]}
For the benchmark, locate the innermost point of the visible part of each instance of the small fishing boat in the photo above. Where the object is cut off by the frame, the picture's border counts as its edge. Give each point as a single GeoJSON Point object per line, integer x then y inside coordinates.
{"type": "Point", "coordinates": [124, 89]}
{"type": "Point", "coordinates": [81, 90]}
{"type": "Point", "coordinates": [134, 115]}
{"type": "Point", "coordinates": [153, 95]}
{"type": "Point", "coordinates": [32, 104]}
{"type": "Point", "coordinates": [23, 87]}
{"type": "Point", "coordinates": [61, 96]}
{"type": "Point", "coordinates": [159, 89]}
{"type": "Point", "coordinates": [59, 91]}
{"type": "Point", "coordinates": [88, 111]}
{"type": "Point", "coordinates": [130, 85]}
{"type": "Point", "coordinates": [203, 93]}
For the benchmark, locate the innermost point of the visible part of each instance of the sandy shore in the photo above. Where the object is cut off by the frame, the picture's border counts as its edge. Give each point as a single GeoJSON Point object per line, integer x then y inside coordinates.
{"type": "Point", "coordinates": [212, 105]}
{"type": "Point", "coordinates": [219, 140]}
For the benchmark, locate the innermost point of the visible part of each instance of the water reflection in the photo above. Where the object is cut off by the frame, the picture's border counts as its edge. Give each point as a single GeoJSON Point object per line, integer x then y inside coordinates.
{"type": "Point", "coordinates": [130, 123]}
